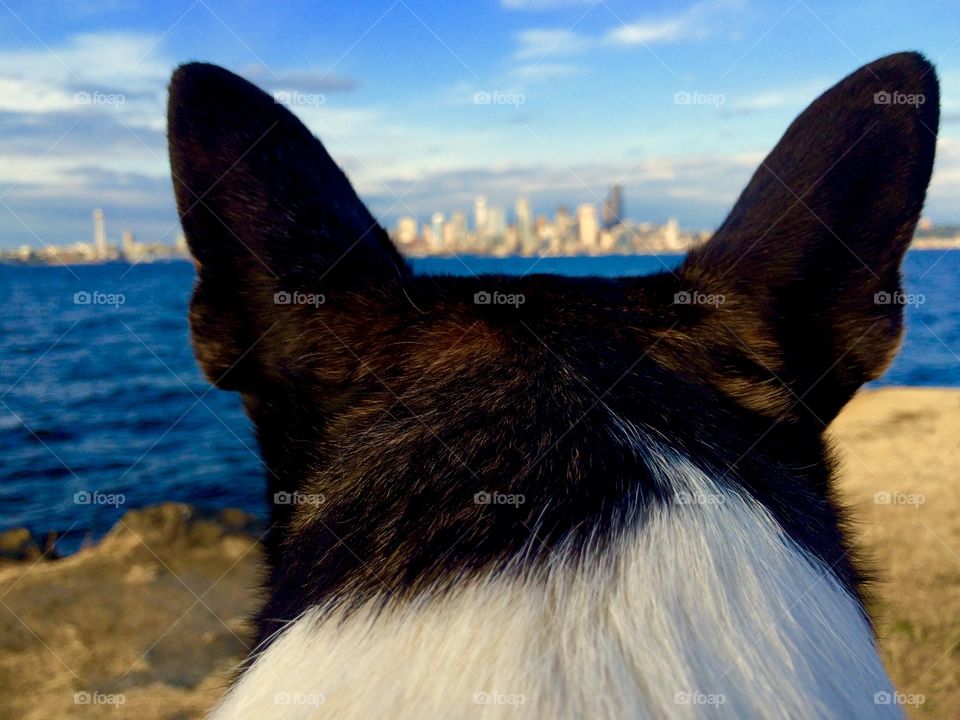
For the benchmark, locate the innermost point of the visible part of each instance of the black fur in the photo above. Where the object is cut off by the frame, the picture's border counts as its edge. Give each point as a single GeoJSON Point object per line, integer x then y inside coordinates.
{"type": "Point", "coordinates": [398, 399]}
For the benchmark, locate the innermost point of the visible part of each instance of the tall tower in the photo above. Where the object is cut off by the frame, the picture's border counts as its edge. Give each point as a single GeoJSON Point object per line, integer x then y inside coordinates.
{"type": "Point", "coordinates": [99, 234]}
{"type": "Point", "coordinates": [562, 221]}
{"type": "Point", "coordinates": [480, 216]}
{"type": "Point", "coordinates": [524, 219]}
{"type": "Point", "coordinates": [436, 230]}
{"type": "Point", "coordinates": [496, 222]}
{"type": "Point", "coordinates": [613, 207]}
{"type": "Point", "coordinates": [587, 222]}
{"type": "Point", "coordinates": [406, 232]}
{"type": "Point", "coordinates": [458, 230]}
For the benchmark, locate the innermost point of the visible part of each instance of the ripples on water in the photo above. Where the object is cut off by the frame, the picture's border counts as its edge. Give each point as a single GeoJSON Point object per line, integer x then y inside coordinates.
{"type": "Point", "coordinates": [109, 399]}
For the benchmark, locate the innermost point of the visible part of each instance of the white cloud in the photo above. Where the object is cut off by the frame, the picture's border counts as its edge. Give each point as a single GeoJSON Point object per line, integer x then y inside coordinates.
{"type": "Point", "coordinates": [545, 71]}
{"type": "Point", "coordinates": [695, 22]}
{"type": "Point", "coordinates": [793, 97]}
{"type": "Point", "coordinates": [18, 94]}
{"type": "Point", "coordinates": [540, 42]}
{"type": "Point", "coordinates": [648, 32]}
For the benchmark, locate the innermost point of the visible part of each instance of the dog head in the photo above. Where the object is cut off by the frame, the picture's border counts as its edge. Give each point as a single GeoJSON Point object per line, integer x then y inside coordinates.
{"type": "Point", "coordinates": [394, 409]}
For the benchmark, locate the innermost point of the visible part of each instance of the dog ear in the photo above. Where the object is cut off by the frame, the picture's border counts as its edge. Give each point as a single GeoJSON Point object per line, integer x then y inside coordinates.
{"type": "Point", "coordinates": [266, 212]}
{"type": "Point", "coordinates": [807, 264]}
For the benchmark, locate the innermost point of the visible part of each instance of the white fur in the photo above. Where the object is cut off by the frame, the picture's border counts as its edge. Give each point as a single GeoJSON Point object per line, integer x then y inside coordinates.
{"type": "Point", "coordinates": [706, 598]}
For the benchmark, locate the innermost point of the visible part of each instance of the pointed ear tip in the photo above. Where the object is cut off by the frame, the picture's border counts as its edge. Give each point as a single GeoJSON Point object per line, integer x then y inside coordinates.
{"type": "Point", "coordinates": [911, 69]}
{"type": "Point", "coordinates": [186, 74]}
{"type": "Point", "coordinates": [196, 83]}
{"type": "Point", "coordinates": [908, 60]}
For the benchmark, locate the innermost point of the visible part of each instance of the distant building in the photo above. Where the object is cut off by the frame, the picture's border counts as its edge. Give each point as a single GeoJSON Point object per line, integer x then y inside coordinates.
{"type": "Point", "coordinates": [613, 207]}
{"type": "Point", "coordinates": [671, 235]}
{"type": "Point", "coordinates": [406, 233]}
{"type": "Point", "coordinates": [128, 246]}
{"type": "Point", "coordinates": [480, 216]}
{"type": "Point", "coordinates": [562, 221]}
{"type": "Point", "coordinates": [524, 219]}
{"type": "Point", "coordinates": [587, 226]}
{"type": "Point", "coordinates": [99, 234]}
{"type": "Point", "coordinates": [496, 222]}
{"type": "Point", "coordinates": [436, 231]}
{"type": "Point", "coordinates": [458, 229]}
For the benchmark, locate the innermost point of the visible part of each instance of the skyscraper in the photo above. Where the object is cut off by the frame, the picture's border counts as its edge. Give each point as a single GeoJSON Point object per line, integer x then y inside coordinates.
{"type": "Point", "coordinates": [562, 221]}
{"type": "Point", "coordinates": [524, 219]}
{"type": "Point", "coordinates": [496, 222]}
{"type": "Point", "coordinates": [436, 227]}
{"type": "Point", "coordinates": [458, 227]}
{"type": "Point", "coordinates": [480, 216]}
{"type": "Point", "coordinates": [587, 223]}
{"type": "Point", "coordinates": [406, 232]}
{"type": "Point", "coordinates": [613, 207]}
{"type": "Point", "coordinates": [99, 234]}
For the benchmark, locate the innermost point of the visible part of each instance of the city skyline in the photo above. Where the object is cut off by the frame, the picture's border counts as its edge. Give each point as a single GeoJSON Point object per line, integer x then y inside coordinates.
{"type": "Point", "coordinates": [553, 100]}
{"type": "Point", "coordinates": [601, 229]}
{"type": "Point", "coordinates": [582, 232]}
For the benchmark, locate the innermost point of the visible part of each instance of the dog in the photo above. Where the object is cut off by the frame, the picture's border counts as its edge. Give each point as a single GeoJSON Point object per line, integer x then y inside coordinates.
{"type": "Point", "coordinates": [608, 501]}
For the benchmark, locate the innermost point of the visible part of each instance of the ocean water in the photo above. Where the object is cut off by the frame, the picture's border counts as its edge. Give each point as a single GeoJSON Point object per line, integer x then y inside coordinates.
{"type": "Point", "coordinates": [102, 406]}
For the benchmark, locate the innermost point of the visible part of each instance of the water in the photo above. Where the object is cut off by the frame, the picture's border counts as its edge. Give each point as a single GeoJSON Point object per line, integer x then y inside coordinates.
{"type": "Point", "coordinates": [108, 398]}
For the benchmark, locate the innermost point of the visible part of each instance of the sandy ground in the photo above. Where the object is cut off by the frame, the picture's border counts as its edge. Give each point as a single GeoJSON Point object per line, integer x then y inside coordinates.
{"type": "Point", "coordinates": [148, 623]}
{"type": "Point", "coordinates": [901, 476]}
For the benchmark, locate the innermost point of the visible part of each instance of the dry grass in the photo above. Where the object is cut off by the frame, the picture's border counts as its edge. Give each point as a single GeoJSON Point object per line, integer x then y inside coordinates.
{"type": "Point", "coordinates": [906, 443]}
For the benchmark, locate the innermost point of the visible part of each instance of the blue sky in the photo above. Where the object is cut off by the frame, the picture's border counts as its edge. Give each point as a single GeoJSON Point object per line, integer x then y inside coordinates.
{"type": "Point", "coordinates": [582, 95]}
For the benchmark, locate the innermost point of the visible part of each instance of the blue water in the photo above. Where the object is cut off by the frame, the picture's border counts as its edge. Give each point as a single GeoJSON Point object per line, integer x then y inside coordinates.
{"type": "Point", "coordinates": [107, 398]}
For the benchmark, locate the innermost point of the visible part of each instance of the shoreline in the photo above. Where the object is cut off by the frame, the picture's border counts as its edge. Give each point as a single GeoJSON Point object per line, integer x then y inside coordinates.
{"type": "Point", "coordinates": [924, 246]}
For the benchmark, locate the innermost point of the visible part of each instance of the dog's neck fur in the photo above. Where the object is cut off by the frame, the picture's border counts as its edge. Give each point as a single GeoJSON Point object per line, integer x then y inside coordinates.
{"type": "Point", "coordinates": [704, 604]}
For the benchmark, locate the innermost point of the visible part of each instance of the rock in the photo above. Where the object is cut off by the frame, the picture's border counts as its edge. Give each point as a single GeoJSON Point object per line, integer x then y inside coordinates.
{"type": "Point", "coordinates": [18, 544]}
{"type": "Point", "coordinates": [177, 525]}
{"type": "Point", "coordinates": [236, 520]}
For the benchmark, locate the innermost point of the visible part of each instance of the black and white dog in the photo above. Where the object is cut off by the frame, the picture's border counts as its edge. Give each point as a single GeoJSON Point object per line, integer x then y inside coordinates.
{"type": "Point", "coordinates": [606, 502]}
